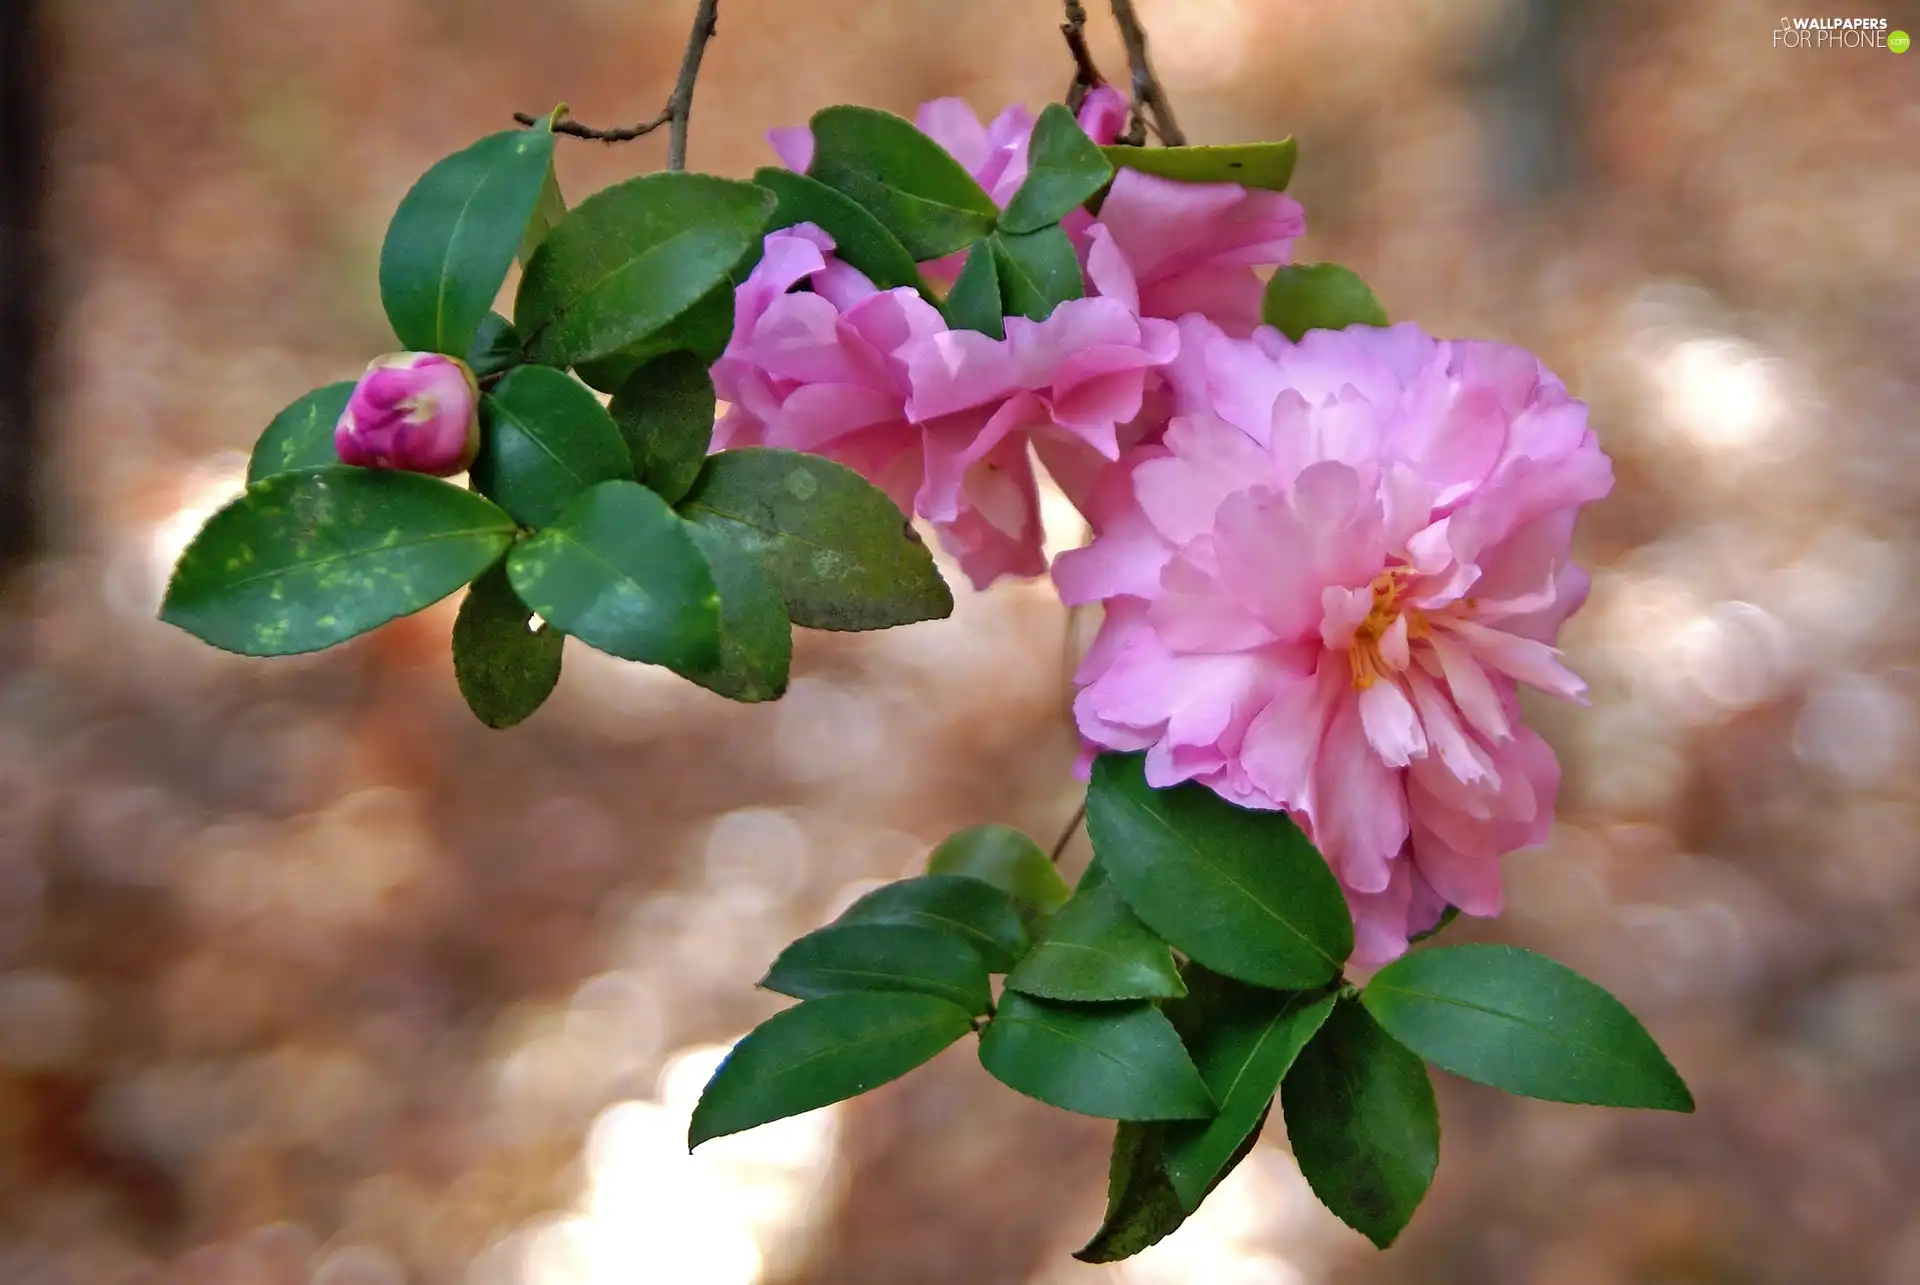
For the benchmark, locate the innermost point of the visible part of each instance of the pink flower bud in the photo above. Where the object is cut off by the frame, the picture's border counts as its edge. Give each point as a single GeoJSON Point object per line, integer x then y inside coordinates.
{"type": "Point", "coordinates": [417, 411]}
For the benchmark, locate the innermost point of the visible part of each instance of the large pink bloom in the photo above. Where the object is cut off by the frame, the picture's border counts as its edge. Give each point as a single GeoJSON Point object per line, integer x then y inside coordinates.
{"type": "Point", "coordinates": [1322, 589]}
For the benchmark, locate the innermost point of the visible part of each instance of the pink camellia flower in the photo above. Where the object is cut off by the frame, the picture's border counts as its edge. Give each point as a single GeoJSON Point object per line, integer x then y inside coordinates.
{"type": "Point", "coordinates": [1323, 588]}
{"type": "Point", "coordinates": [417, 411]}
{"type": "Point", "coordinates": [826, 370]}
{"type": "Point", "coordinates": [1168, 249]}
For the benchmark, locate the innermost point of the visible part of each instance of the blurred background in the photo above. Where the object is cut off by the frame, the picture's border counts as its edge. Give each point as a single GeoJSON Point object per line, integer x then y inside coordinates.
{"type": "Point", "coordinates": [306, 976]}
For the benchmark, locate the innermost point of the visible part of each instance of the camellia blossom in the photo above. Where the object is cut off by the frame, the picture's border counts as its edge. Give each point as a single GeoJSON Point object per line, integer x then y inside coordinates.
{"type": "Point", "coordinates": [1323, 588]}
{"type": "Point", "coordinates": [417, 411]}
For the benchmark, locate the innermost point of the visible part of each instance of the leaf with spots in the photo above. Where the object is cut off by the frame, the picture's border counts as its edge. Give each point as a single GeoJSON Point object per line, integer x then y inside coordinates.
{"type": "Point", "coordinates": [505, 667]}
{"type": "Point", "coordinates": [756, 639]}
{"type": "Point", "coordinates": [301, 436]}
{"type": "Point", "coordinates": [618, 571]}
{"type": "Point", "coordinates": [838, 550]}
{"type": "Point", "coordinates": [305, 560]}
{"type": "Point", "coordinates": [454, 236]}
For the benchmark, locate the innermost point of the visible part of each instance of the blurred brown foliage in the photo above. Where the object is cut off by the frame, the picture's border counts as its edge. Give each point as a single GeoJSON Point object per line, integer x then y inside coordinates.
{"type": "Point", "coordinates": [304, 975]}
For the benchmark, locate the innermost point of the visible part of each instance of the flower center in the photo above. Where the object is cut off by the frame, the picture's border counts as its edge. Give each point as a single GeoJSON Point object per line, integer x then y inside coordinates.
{"type": "Point", "coordinates": [1363, 654]}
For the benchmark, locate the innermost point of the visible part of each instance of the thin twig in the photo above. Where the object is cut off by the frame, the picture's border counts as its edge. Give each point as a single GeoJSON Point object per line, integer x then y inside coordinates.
{"type": "Point", "coordinates": [679, 106]}
{"type": "Point", "coordinates": [1147, 92]}
{"type": "Point", "coordinates": [1086, 76]}
{"type": "Point", "coordinates": [1066, 835]}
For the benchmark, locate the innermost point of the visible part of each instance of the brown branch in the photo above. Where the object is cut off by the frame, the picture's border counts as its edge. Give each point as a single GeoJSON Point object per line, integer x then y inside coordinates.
{"type": "Point", "coordinates": [679, 106]}
{"type": "Point", "coordinates": [1086, 76]}
{"type": "Point", "coordinates": [1066, 835]}
{"type": "Point", "coordinates": [1147, 92]}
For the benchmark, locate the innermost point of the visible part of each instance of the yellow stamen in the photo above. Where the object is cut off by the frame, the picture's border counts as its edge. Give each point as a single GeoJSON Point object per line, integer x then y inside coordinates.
{"type": "Point", "coordinates": [1363, 654]}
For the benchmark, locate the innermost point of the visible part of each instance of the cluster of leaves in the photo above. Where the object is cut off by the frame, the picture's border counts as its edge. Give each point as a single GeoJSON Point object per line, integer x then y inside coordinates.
{"type": "Point", "coordinates": [1191, 978]}
{"type": "Point", "coordinates": [607, 522]}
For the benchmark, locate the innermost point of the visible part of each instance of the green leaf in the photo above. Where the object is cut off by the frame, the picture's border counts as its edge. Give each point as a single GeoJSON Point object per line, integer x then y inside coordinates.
{"type": "Point", "coordinates": [1244, 1049]}
{"type": "Point", "coordinates": [505, 668]}
{"type": "Point", "coordinates": [1261, 165]}
{"type": "Point", "coordinates": [1519, 1021]}
{"type": "Point", "coordinates": [974, 301]}
{"type": "Point", "coordinates": [631, 259]}
{"type": "Point", "coordinates": [619, 571]}
{"type": "Point", "coordinates": [548, 210]}
{"type": "Point", "coordinates": [859, 239]}
{"type": "Point", "coordinates": [842, 556]}
{"type": "Point", "coordinates": [1005, 858]}
{"type": "Point", "coordinates": [547, 439]}
{"type": "Point", "coordinates": [909, 182]}
{"type": "Point", "coordinates": [1242, 892]}
{"type": "Point", "coordinates": [1142, 1207]}
{"type": "Point", "coordinates": [1318, 296]}
{"type": "Point", "coordinates": [821, 1052]}
{"type": "Point", "coordinates": [1038, 271]}
{"type": "Point", "coordinates": [1095, 949]}
{"type": "Point", "coordinates": [702, 330]}
{"type": "Point", "coordinates": [665, 412]}
{"type": "Point", "coordinates": [979, 913]}
{"type": "Point", "coordinates": [305, 560]}
{"type": "Point", "coordinates": [454, 236]}
{"type": "Point", "coordinates": [756, 639]}
{"type": "Point", "coordinates": [1362, 1121]}
{"type": "Point", "coordinates": [495, 348]}
{"type": "Point", "coordinates": [301, 436]}
{"type": "Point", "coordinates": [1116, 1061]}
{"type": "Point", "coordinates": [1064, 169]}
{"type": "Point", "coordinates": [882, 957]}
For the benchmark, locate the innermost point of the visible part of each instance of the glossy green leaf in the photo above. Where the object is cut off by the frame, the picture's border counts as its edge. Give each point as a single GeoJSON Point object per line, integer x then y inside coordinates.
{"type": "Point", "coordinates": [495, 348]}
{"type": "Point", "coordinates": [665, 413]}
{"type": "Point", "coordinates": [454, 236]}
{"type": "Point", "coordinates": [702, 330]}
{"type": "Point", "coordinates": [1244, 1048]}
{"type": "Point", "coordinates": [882, 957]}
{"type": "Point", "coordinates": [1064, 169]}
{"type": "Point", "coordinates": [1116, 1061]}
{"type": "Point", "coordinates": [859, 239]}
{"type": "Point", "coordinates": [1363, 1124]}
{"type": "Point", "coordinates": [1242, 892]}
{"type": "Point", "coordinates": [301, 436]}
{"type": "Point", "coordinates": [821, 1052]}
{"type": "Point", "coordinates": [1095, 949]}
{"type": "Point", "coordinates": [1005, 858]}
{"type": "Point", "coordinates": [548, 210]}
{"type": "Point", "coordinates": [631, 259]}
{"type": "Point", "coordinates": [909, 182]}
{"type": "Point", "coordinates": [618, 571]}
{"type": "Point", "coordinates": [506, 669]}
{"type": "Point", "coordinates": [977, 912]}
{"type": "Point", "coordinates": [1261, 165]}
{"type": "Point", "coordinates": [545, 440]}
{"type": "Point", "coordinates": [1318, 296]}
{"type": "Point", "coordinates": [842, 556]}
{"type": "Point", "coordinates": [756, 639]}
{"type": "Point", "coordinates": [1038, 272]}
{"type": "Point", "coordinates": [305, 560]}
{"type": "Point", "coordinates": [974, 302]}
{"type": "Point", "coordinates": [1519, 1021]}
